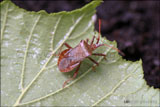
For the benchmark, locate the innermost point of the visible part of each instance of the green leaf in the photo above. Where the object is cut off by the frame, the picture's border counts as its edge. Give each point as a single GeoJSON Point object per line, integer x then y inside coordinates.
{"type": "Point", "coordinates": [29, 72]}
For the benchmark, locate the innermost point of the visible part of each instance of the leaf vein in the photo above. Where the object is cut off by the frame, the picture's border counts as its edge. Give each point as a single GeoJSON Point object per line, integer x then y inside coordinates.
{"type": "Point", "coordinates": [131, 92]}
{"type": "Point", "coordinates": [4, 23]}
{"type": "Point", "coordinates": [26, 52]}
{"type": "Point", "coordinates": [68, 33]}
{"type": "Point", "coordinates": [43, 68]}
{"type": "Point", "coordinates": [59, 90]}
{"type": "Point", "coordinates": [82, 33]}
{"type": "Point", "coordinates": [112, 91]}
{"type": "Point", "coordinates": [54, 31]}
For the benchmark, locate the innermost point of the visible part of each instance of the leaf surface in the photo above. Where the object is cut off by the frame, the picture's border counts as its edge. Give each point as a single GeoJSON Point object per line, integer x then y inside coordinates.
{"type": "Point", "coordinates": [29, 72]}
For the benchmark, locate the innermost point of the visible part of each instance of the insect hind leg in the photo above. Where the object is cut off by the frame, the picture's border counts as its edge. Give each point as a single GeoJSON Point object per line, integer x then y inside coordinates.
{"type": "Point", "coordinates": [93, 61]}
{"type": "Point", "coordinates": [100, 54]}
{"type": "Point", "coordinates": [74, 76]}
{"type": "Point", "coordinates": [93, 67]}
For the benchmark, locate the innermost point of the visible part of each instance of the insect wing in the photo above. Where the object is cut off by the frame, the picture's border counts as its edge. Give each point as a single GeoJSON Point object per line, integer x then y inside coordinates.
{"type": "Point", "coordinates": [66, 63]}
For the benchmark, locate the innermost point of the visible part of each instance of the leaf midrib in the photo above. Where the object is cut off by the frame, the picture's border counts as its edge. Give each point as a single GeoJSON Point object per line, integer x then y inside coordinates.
{"type": "Point", "coordinates": [61, 89]}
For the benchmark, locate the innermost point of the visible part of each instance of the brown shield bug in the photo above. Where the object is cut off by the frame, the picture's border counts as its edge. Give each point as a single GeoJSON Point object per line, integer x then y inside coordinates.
{"type": "Point", "coordinates": [72, 57]}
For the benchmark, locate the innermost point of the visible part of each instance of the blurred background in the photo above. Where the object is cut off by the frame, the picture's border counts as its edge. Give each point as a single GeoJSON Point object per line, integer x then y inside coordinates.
{"type": "Point", "coordinates": [135, 25]}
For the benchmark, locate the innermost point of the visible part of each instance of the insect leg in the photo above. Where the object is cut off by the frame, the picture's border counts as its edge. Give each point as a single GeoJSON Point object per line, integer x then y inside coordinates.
{"type": "Point", "coordinates": [99, 31]}
{"type": "Point", "coordinates": [93, 67]}
{"type": "Point", "coordinates": [87, 40]}
{"type": "Point", "coordinates": [100, 54]}
{"type": "Point", "coordinates": [112, 48]}
{"type": "Point", "coordinates": [93, 61]}
{"type": "Point", "coordinates": [92, 40]}
{"type": "Point", "coordinates": [67, 45]}
{"type": "Point", "coordinates": [74, 76]}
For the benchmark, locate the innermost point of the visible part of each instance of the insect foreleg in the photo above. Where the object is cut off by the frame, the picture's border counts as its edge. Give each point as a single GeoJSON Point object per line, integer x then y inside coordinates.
{"type": "Point", "coordinates": [87, 40]}
{"type": "Point", "coordinates": [67, 45]}
{"type": "Point", "coordinates": [92, 40]}
{"type": "Point", "coordinates": [74, 76]}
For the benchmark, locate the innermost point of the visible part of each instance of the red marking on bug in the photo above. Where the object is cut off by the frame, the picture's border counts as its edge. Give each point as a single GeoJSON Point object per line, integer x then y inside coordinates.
{"type": "Point", "coordinates": [72, 57]}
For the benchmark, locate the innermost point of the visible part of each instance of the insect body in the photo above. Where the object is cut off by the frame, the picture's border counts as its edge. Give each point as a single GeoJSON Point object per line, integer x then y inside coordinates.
{"type": "Point", "coordinates": [72, 57]}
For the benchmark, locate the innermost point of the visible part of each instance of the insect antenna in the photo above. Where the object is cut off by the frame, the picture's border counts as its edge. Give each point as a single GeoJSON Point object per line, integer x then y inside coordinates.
{"type": "Point", "coordinates": [106, 44]}
{"type": "Point", "coordinates": [99, 21]}
{"type": "Point", "coordinates": [114, 49]}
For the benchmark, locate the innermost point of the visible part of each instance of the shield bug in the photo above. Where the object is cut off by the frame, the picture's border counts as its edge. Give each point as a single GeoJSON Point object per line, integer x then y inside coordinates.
{"type": "Point", "coordinates": [72, 57]}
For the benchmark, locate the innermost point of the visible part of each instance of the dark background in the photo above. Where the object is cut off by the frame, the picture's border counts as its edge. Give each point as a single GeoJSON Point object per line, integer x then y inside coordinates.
{"type": "Point", "coordinates": [134, 25]}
